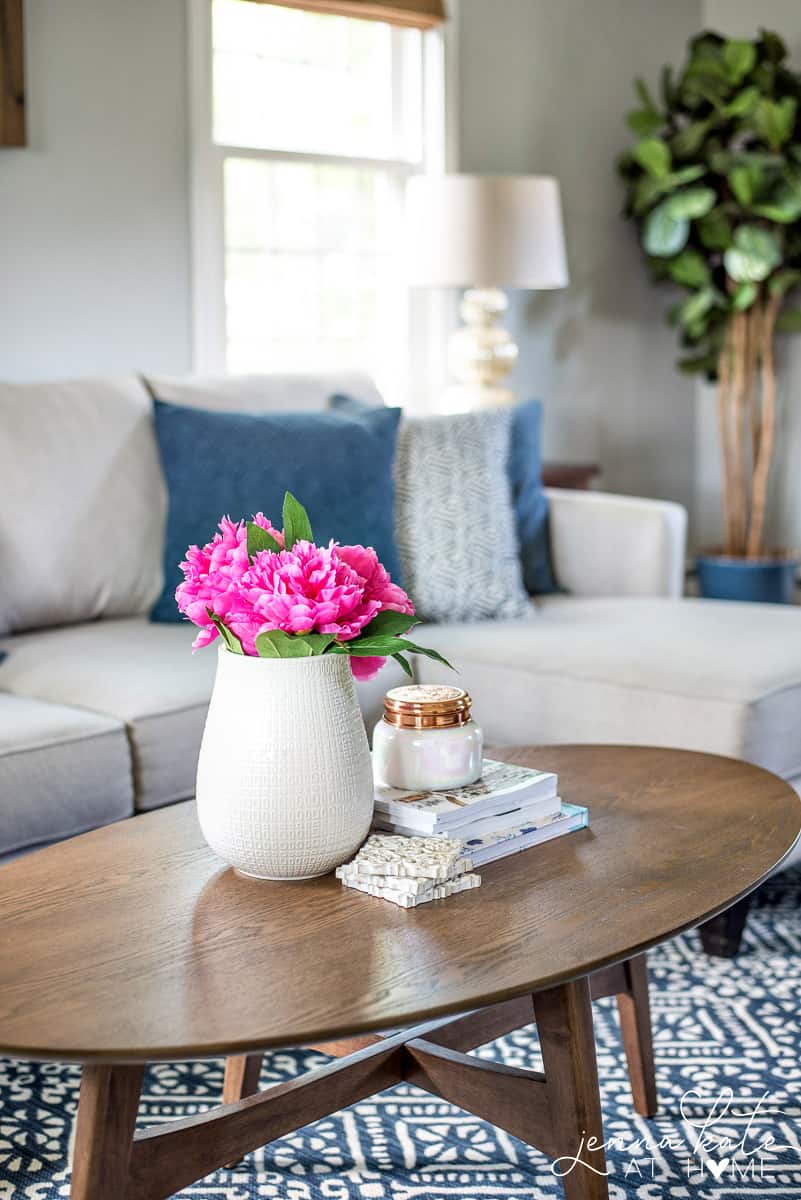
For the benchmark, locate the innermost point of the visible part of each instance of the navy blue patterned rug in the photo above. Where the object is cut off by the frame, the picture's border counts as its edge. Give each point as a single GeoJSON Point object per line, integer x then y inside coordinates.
{"type": "Point", "coordinates": [728, 1052]}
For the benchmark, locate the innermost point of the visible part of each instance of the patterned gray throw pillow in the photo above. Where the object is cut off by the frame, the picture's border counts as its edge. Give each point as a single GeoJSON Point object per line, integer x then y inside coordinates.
{"type": "Point", "coordinates": [454, 517]}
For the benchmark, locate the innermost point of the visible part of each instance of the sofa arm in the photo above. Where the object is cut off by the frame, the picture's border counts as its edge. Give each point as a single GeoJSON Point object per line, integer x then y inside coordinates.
{"type": "Point", "coordinates": [604, 545]}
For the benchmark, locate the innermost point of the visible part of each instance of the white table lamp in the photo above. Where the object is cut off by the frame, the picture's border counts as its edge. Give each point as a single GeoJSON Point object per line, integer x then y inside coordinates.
{"type": "Point", "coordinates": [484, 233]}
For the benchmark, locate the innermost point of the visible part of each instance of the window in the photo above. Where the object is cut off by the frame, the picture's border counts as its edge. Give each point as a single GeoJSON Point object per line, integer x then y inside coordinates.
{"type": "Point", "coordinates": [306, 127]}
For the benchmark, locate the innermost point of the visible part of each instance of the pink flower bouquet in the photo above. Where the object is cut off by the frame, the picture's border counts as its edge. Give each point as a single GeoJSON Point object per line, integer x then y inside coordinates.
{"type": "Point", "coordinates": [273, 593]}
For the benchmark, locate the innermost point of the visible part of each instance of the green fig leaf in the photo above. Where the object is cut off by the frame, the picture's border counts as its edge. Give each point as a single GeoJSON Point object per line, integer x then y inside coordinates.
{"type": "Point", "coordinates": [664, 235]}
{"type": "Point", "coordinates": [753, 255]}
{"type": "Point", "coordinates": [653, 155]}
{"type": "Point", "coordinates": [745, 296]}
{"type": "Point", "coordinates": [690, 269]}
{"type": "Point", "coordinates": [739, 58]}
{"type": "Point", "coordinates": [691, 203]}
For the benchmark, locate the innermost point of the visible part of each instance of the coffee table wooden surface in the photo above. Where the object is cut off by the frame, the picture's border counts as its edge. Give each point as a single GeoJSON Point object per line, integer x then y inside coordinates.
{"type": "Point", "coordinates": [134, 944]}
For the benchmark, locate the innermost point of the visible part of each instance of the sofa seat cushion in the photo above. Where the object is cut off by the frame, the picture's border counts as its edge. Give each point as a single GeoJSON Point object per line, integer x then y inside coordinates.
{"type": "Point", "coordinates": [62, 770]}
{"type": "Point", "coordinates": [147, 677]}
{"type": "Point", "coordinates": [698, 674]}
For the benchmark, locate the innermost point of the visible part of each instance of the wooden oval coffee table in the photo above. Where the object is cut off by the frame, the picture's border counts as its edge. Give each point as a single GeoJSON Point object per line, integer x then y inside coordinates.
{"type": "Point", "coordinates": [134, 944]}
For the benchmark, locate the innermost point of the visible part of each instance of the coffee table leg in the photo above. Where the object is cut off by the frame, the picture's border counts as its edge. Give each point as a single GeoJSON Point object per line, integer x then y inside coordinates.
{"type": "Point", "coordinates": [634, 1009]}
{"type": "Point", "coordinates": [564, 1022]}
{"type": "Point", "coordinates": [104, 1138]}
{"type": "Point", "coordinates": [242, 1073]}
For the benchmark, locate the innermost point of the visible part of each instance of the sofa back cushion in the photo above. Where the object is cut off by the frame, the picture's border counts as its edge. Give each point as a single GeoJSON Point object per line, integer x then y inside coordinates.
{"type": "Point", "coordinates": [237, 464]}
{"type": "Point", "coordinates": [83, 502]}
{"type": "Point", "coordinates": [302, 392]}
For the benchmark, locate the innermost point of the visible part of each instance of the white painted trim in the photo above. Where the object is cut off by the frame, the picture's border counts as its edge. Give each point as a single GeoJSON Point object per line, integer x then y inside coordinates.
{"type": "Point", "coordinates": [207, 159]}
{"type": "Point", "coordinates": [452, 96]}
{"type": "Point", "coordinates": [206, 201]}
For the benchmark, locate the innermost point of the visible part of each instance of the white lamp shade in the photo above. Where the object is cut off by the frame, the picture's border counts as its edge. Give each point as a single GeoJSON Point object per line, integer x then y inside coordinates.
{"type": "Point", "coordinates": [485, 231]}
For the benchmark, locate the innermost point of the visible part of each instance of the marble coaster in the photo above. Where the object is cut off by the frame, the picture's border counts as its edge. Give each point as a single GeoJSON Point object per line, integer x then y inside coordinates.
{"type": "Point", "coordinates": [406, 899]}
{"type": "Point", "coordinates": [382, 855]}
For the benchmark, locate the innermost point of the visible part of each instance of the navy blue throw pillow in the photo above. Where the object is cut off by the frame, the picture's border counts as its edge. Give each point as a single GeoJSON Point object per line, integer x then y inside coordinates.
{"type": "Point", "coordinates": [530, 502]}
{"type": "Point", "coordinates": [338, 464]}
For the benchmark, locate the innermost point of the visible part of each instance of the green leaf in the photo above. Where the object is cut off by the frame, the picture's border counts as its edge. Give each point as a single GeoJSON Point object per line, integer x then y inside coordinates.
{"type": "Point", "coordinates": [364, 647]}
{"type": "Point", "coordinates": [388, 623]}
{"type": "Point", "coordinates": [784, 206]}
{"type": "Point", "coordinates": [664, 235]}
{"type": "Point", "coordinates": [696, 307]}
{"type": "Point", "coordinates": [715, 230]}
{"type": "Point", "coordinates": [744, 181]}
{"type": "Point", "coordinates": [649, 188]}
{"type": "Point", "coordinates": [297, 527]}
{"type": "Point", "coordinates": [697, 363]}
{"type": "Point", "coordinates": [689, 140]}
{"type": "Point", "coordinates": [653, 155]}
{"type": "Point", "coordinates": [773, 46]}
{"type": "Point", "coordinates": [743, 103]}
{"type": "Point", "coordinates": [274, 643]}
{"type": "Point", "coordinates": [646, 99]}
{"type": "Point", "coordinates": [666, 87]}
{"type": "Point", "coordinates": [427, 652]}
{"type": "Point", "coordinates": [319, 642]}
{"type": "Point", "coordinates": [643, 123]}
{"type": "Point", "coordinates": [690, 269]}
{"type": "Point", "coordinates": [774, 121]}
{"type": "Point", "coordinates": [789, 320]}
{"type": "Point", "coordinates": [691, 203]}
{"type": "Point", "coordinates": [404, 662]}
{"type": "Point", "coordinates": [753, 255]}
{"type": "Point", "coordinates": [259, 539]}
{"type": "Point", "coordinates": [386, 647]}
{"type": "Point", "coordinates": [230, 639]}
{"type": "Point", "coordinates": [739, 58]}
{"type": "Point", "coordinates": [745, 296]}
{"type": "Point", "coordinates": [783, 281]}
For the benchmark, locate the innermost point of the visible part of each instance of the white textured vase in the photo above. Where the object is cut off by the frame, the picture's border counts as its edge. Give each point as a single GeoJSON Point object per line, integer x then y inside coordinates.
{"type": "Point", "coordinates": [284, 779]}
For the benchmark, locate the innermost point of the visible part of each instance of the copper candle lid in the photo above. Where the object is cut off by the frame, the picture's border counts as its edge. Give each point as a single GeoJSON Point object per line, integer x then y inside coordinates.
{"type": "Point", "coordinates": [420, 706]}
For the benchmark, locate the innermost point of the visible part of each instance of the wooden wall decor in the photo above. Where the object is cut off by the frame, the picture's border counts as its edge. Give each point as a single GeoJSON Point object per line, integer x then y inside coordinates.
{"type": "Point", "coordinates": [12, 74]}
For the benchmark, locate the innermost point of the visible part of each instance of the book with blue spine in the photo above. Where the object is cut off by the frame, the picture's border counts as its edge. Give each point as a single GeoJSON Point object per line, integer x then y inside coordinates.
{"type": "Point", "coordinates": [485, 848]}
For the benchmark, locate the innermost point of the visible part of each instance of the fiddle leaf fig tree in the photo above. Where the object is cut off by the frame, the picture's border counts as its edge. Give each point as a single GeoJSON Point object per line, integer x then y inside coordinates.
{"type": "Point", "coordinates": [713, 184]}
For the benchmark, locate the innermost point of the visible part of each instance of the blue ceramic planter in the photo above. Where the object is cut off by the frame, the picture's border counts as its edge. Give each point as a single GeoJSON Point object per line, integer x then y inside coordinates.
{"type": "Point", "coordinates": [767, 581]}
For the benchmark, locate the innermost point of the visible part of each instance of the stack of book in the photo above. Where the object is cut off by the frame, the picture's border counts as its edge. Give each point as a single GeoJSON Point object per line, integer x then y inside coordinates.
{"type": "Point", "coordinates": [409, 870]}
{"type": "Point", "coordinates": [510, 808]}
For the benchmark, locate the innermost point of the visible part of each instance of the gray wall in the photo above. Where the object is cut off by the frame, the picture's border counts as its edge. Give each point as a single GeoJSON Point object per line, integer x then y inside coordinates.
{"type": "Point", "coordinates": [742, 18]}
{"type": "Point", "coordinates": [94, 240]}
{"type": "Point", "coordinates": [545, 85]}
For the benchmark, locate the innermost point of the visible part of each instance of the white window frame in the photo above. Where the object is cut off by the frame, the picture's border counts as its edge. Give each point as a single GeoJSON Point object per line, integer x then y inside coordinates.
{"type": "Point", "coordinates": [207, 159]}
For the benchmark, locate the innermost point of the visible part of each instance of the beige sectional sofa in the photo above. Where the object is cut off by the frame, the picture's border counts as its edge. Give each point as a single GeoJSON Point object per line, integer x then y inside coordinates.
{"type": "Point", "coordinates": [101, 712]}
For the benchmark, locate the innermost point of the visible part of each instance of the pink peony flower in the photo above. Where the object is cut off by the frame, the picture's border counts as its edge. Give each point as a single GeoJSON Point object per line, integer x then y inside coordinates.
{"type": "Point", "coordinates": [330, 589]}
{"type": "Point", "coordinates": [212, 578]}
{"type": "Point", "coordinates": [377, 586]}
{"type": "Point", "coordinates": [375, 579]}
{"type": "Point", "coordinates": [308, 588]}
{"type": "Point", "coordinates": [367, 667]}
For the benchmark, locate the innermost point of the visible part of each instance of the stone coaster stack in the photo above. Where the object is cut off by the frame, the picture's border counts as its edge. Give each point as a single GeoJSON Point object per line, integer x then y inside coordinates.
{"type": "Point", "coordinates": [409, 870]}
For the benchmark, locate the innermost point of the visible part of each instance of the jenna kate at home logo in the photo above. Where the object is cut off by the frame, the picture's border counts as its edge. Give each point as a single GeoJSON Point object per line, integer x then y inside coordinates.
{"type": "Point", "coordinates": [716, 1140]}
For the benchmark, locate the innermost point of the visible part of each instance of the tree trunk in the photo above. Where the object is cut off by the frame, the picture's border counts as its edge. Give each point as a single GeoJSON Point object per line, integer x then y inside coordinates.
{"type": "Point", "coordinates": [724, 380]}
{"type": "Point", "coordinates": [759, 489]}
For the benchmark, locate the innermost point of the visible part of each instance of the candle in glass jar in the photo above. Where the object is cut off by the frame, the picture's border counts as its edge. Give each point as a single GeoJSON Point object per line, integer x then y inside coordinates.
{"type": "Point", "coordinates": [427, 739]}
